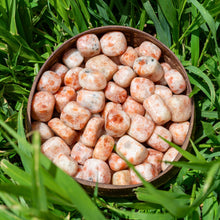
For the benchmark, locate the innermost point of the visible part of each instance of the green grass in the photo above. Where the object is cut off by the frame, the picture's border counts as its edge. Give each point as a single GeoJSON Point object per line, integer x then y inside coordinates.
{"type": "Point", "coordinates": [31, 187]}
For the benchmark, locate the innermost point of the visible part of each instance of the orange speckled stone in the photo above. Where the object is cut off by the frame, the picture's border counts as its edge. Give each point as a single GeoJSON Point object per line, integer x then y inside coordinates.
{"type": "Point", "coordinates": [122, 177]}
{"type": "Point", "coordinates": [49, 81]}
{"type": "Point", "coordinates": [42, 106]}
{"type": "Point", "coordinates": [103, 147]}
{"type": "Point", "coordinates": [113, 43]}
{"type": "Point", "coordinates": [179, 132]}
{"type": "Point", "coordinates": [124, 76]}
{"type": "Point", "coordinates": [116, 163]}
{"type": "Point", "coordinates": [154, 157]}
{"type": "Point", "coordinates": [129, 56]}
{"type": "Point", "coordinates": [170, 155]}
{"type": "Point", "coordinates": [102, 64]}
{"type": "Point", "coordinates": [92, 79]}
{"type": "Point", "coordinates": [157, 109]}
{"type": "Point", "coordinates": [72, 78]}
{"type": "Point", "coordinates": [180, 107]}
{"type": "Point", "coordinates": [60, 70]}
{"type": "Point", "coordinates": [141, 128]}
{"type": "Point", "coordinates": [148, 67]}
{"type": "Point", "coordinates": [92, 100]}
{"type": "Point", "coordinates": [115, 93]}
{"type": "Point", "coordinates": [63, 131]}
{"type": "Point", "coordinates": [175, 81]}
{"type": "Point", "coordinates": [117, 123]}
{"type": "Point", "coordinates": [54, 146]}
{"type": "Point", "coordinates": [72, 58]}
{"type": "Point", "coordinates": [75, 116]}
{"type": "Point", "coordinates": [66, 163]}
{"type": "Point", "coordinates": [63, 96]}
{"type": "Point", "coordinates": [156, 142]}
{"type": "Point", "coordinates": [81, 153]}
{"type": "Point", "coordinates": [97, 171]}
{"type": "Point", "coordinates": [146, 170]}
{"type": "Point", "coordinates": [88, 45]}
{"type": "Point", "coordinates": [44, 130]}
{"type": "Point", "coordinates": [141, 88]}
{"type": "Point", "coordinates": [131, 149]}
{"type": "Point", "coordinates": [92, 131]}
{"type": "Point", "coordinates": [149, 49]}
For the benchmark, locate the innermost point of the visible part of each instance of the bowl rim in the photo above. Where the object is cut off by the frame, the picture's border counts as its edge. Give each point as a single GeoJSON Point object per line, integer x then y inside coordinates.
{"type": "Point", "coordinates": [164, 175]}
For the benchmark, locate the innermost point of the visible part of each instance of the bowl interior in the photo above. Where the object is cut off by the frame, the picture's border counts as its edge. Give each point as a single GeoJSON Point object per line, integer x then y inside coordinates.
{"type": "Point", "coordinates": [134, 38]}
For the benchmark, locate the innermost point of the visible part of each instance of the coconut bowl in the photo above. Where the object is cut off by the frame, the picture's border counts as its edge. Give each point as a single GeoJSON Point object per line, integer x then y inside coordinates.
{"type": "Point", "coordinates": [134, 38]}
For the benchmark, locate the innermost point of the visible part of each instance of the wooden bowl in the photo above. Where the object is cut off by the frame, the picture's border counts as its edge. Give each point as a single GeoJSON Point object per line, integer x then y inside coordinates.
{"type": "Point", "coordinates": [134, 38]}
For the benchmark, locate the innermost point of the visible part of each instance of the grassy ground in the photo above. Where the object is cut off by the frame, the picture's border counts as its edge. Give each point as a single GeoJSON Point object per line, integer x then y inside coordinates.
{"type": "Point", "coordinates": [30, 31]}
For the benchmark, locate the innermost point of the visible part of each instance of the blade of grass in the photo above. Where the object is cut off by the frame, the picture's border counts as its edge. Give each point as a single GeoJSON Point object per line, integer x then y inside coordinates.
{"type": "Point", "coordinates": [23, 178]}
{"type": "Point", "coordinates": [167, 6]}
{"type": "Point", "coordinates": [26, 193]}
{"type": "Point", "coordinates": [164, 24]}
{"type": "Point", "coordinates": [199, 73]}
{"type": "Point", "coordinates": [18, 151]}
{"type": "Point", "coordinates": [4, 17]}
{"type": "Point", "coordinates": [6, 215]}
{"type": "Point", "coordinates": [4, 68]}
{"type": "Point", "coordinates": [17, 190]}
{"type": "Point", "coordinates": [15, 173]}
{"type": "Point", "coordinates": [105, 11]}
{"type": "Point", "coordinates": [212, 182]}
{"type": "Point", "coordinates": [181, 9]}
{"type": "Point", "coordinates": [218, 214]}
{"type": "Point", "coordinates": [162, 36]}
{"type": "Point", "coordinates": [24, 21]}
{"type": "Point", "coordinates": [11, 202]}
{"type": "Point", "coordinates": [85, 12]}
{"type": "Point", "coordinates": [100, 18]}
{"type": "Point", "coordinates": [75, 193]}
{"type": "Point", "coordinates": [200, 85]}
{"type": "Point", "coordinates": [210, 21]}
{"type": "Point", "coordinates": [211, 65]}
{"type": "Point", "coordinates": [138, 215]}
{"type": "Point", "coordinates": [21, 133]}
{"type": "Point", "coordinates": [167, 199]}
{"type": "Point", "coordinates": [125, 11]}
{"type": "Point", "coordinates": [210, 132]}
{"type": "Point", "coordinates": [16, 90]}
{"type": "Point", "coordinates": [171, 17]}
{"type": "Point", "coordinates": [45, 35]}
{"type": "Point", "coordinates": [142, 20]}
{"type": "Point", "coordinates": [186, 154]}
{"type": "Point", "coordinates": [138, 205]}
{"type": "Point", "coordinates": [195, 88]}
{"type": "Point", "coordinates": [204, 48]}
{"type": "Point", "coordinates": [210, 207]}
{"type": "Point", "coordinates": [198, 154]}
{"type": "Point", "coordinates": [195, 42]}
{"type": "Point", "coordinates": [61, 24]}
{"type": "Point", "coordinates": [38, 191]}
{"type": "Point", "coordinates": [192, 165]}
{"type": "Point", "coordinates": [78, 18]}
{"type": "Point", "coordinates": [14, 42]}
{"type": "Point", "coordinates": [37, 18]}
{"type": "Point", "coordinates": [12, 8]}
{"type": "Point", "coordinates": [60, 8]}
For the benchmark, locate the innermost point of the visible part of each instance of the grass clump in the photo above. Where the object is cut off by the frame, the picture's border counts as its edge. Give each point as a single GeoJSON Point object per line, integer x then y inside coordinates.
{"type": "Point", "coordinates": [31, 187]}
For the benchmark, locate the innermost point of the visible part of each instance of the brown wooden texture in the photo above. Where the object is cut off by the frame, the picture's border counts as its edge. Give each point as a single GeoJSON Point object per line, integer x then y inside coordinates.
{"type": "Point", "coordinates": [134, 38]}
